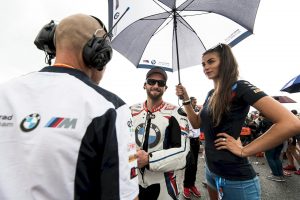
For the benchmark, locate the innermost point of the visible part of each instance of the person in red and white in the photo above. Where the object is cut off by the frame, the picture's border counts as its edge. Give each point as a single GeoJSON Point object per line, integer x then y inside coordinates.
{"type": "Point", "coordinates": [161, 134]}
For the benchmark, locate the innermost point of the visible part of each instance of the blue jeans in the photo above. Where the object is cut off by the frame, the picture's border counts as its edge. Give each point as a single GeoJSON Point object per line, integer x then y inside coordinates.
{"type": "Point", "coordinates": [273, 159]}
{"type": "Point", "coordinates": [235, 190]}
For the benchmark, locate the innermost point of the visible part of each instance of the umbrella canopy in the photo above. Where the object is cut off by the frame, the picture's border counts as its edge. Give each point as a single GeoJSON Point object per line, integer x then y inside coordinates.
{"type": "Point", "coordinates": [284, 99]}
{"type": "Point", "coordinates": [173, 34]}
{"type": "Point", "coordinates": [292, 86]}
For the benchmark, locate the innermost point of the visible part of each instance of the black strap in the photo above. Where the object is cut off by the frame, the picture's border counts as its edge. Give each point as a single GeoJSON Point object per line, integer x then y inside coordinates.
{"type": "Point", "coordinates": [146, 138]}
{"type": "Point", "coordinates": [147, 131]}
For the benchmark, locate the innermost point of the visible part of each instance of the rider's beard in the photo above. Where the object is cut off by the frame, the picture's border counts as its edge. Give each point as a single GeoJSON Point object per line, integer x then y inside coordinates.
{"type": "Point", "coordinates": [156, 96]}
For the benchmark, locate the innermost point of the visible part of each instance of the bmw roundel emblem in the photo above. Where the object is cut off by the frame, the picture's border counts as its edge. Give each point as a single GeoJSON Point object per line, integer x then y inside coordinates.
{"type": "Point", "coordinates": [30, 122]}
{"type": "Point", "coordinates": [154, 135]}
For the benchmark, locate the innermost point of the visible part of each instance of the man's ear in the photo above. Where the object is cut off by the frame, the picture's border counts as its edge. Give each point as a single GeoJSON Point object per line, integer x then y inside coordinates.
{"type": "Point", "coordinates": [144, 86]}
{"type": "Point", "coordinates": [166, 87]}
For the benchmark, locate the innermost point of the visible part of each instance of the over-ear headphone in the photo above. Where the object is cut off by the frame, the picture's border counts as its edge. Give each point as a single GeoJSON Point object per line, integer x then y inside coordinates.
{"type": "Point", "coordinates": [97, 52]}
{"type": "Point", "coordinates": [45, 40]}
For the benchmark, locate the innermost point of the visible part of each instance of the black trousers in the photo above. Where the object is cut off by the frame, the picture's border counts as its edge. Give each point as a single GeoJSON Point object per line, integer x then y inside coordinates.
{"type": "Point", "coordinates": [149, 193]}
{"type": "Point", "coordinates": [191, 168]}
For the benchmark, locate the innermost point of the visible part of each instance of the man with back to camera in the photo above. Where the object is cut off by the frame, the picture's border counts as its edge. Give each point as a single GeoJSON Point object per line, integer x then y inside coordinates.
{"type": "Point", "coordinates": [160, 132]}
{"type": "Point", "coordinates": [62, 136]}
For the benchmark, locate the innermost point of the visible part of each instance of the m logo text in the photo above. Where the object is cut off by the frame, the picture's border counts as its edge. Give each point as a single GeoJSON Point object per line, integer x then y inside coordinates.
{"type": "Point", "coordinates": [59, 122]}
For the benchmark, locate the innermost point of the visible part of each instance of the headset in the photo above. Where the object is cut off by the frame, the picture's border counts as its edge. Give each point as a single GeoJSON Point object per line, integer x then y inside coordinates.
{"type": "Point", "coordinates": [97, 52]}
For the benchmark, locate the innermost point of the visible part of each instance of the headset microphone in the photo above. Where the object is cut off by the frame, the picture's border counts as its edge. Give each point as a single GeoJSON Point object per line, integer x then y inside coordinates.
{"type": "Point", "coordinates": [98, 51]}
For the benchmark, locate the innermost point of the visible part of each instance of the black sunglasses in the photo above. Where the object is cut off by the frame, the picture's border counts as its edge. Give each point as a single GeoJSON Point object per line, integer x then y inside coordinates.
{"type": "Point", "coordinates": [160, 83]}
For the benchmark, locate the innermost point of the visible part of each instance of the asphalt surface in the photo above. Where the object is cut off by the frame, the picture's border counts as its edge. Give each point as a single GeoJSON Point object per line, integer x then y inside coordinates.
{"type": "Point", "coordinates": [271, 190]}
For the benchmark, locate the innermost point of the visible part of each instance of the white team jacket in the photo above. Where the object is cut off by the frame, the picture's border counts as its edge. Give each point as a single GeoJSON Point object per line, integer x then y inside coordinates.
{"type": "Point", "coordinates": [64, 138]}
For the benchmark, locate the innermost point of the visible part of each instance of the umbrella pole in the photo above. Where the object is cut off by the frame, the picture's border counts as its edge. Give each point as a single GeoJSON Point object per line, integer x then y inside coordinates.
{"type": "Point", "coordinates": [176, 43]}
{"type": "Point", "coordinates": [177, 54]}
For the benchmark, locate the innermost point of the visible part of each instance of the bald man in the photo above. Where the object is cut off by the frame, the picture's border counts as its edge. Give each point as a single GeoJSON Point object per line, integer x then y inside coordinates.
{"type": "Point", "coordinates": [71, 36]}
{"type": "Point", "coordinates": [62, 136]}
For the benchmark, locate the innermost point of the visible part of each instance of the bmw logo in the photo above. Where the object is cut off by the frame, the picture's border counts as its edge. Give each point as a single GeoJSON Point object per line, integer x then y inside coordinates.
{"type": "Point", "coordinates": [154, 135]}
{"type": "Point", "coordinates": [30, 122]}
{"type": "Point", "coordinates": [153, 62]}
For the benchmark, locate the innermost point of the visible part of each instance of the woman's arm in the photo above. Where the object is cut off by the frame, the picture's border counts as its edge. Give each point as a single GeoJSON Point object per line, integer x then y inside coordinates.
{"type": "Point", "coordinates": [193, 117]}
{"type": "Point", "coordinates": [285, 126]}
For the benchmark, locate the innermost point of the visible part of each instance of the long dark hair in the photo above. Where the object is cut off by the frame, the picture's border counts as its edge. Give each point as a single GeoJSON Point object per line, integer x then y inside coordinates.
{"type": "Point", "coordinates": [220, 101]}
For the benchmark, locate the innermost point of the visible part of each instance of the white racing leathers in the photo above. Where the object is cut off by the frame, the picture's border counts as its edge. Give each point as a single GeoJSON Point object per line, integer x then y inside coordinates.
{"type": "Point", "coordinates": [168, 146]}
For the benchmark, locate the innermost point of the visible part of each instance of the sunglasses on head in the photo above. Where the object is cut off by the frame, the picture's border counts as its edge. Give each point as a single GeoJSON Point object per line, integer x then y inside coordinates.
{"type": "Point", "coordinates": [160, 83]}
{"type": "Point", "coordinates": [214, 48]}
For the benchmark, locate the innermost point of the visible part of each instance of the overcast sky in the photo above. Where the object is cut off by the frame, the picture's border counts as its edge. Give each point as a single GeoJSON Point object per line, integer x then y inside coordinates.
{"type": "Point", "coordinates": [268, 59]}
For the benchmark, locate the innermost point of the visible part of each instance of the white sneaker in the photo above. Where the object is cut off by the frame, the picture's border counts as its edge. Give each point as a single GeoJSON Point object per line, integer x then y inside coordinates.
{"type": "Point", "coordinates": [276, 178]}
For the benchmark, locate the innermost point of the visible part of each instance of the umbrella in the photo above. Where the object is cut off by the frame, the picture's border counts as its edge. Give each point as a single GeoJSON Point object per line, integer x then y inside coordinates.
{"type": "Point", "coordinates": [284, 99]}
{"type": "Point", "coordinates": [173, 34]}
{"type": "Point", "coordinates": [292, 86]}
